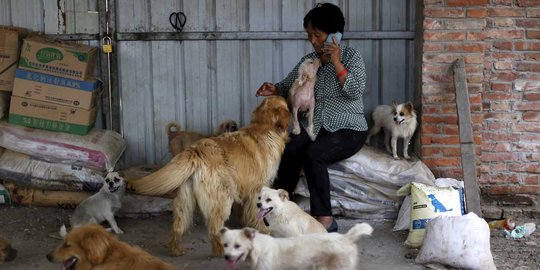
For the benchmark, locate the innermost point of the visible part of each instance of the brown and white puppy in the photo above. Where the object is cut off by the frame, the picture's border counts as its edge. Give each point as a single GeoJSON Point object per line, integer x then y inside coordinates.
{"type": "Point", "coordinates": [304, 252]}
{"type": "Point", "coordinates": [91, 247]}
{"type": "Point", "coordinates": [301, 94]}
{"type": "Point", "coordinates": [398, 121]}
{"type": "Point", "coordinates": [285, 218]}
{"type": "Point", "coordinates": [7, 253]}
{"type": "Point", "coordinates": [217, 171]}
{"type": "Point", "coordinates": [180, 140]}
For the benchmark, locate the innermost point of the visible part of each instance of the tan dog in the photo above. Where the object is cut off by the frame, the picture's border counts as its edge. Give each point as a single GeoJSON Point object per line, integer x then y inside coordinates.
{"type": "Point", "coordinates": [304, 252]}
{"type": "Point", "coordinates": [7, 253]}
{"type": "Point", "coordinates": [217, 171]}
{"type": "Point", "coordinates": [283, 217]}
{"type": "Point", "coordinates": [180, 140]}
{"type": "Point", "coordinates": [92, 247]}
{"type": "Point", "coordinates": [302, 96]}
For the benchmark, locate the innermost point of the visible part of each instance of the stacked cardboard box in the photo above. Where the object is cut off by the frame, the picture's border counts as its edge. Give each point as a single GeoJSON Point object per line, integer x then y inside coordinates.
{"type": "Point", "coordinates": [53, 89]}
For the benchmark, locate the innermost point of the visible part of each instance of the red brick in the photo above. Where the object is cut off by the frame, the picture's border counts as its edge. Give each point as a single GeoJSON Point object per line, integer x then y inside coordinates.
{"type": "Point", "coordinates": [531, 180]}
{"type": "Point", "coordinates": [436, 99]}
{"type": "Point", "coordinates": [533, 12]}
{"type": "Point", "coordinates": [430, 109]}
{"type": "Point", "coordinates": [527, 46]}
{"type": "Point", "coordinates": [527, 168]}
{"type": "Point", "coordinates": [449, 108]}
{"type": "Point", "coordinates": [433, 24]}
{"type": "Point", "coordinates": [439, 119]}
{"type": "Point", "coordinates": [443, 36]}
{"type": "Point", "coordinates": [466, 3]}
{"type": "Point", "coordinates": [498, 106]}
{"type": "Point", "coordinates": [505, 34]}
{"type": "Point", "coordinates": [497, 126]}
{"type": "Point", "coordinates": [494, 136]}
{"type": "Point", "coordinates": [530, 67]}
{"type": "Point", "coordinates": [528, 23]}
{"type": "Point", "coordinates": [526, 85]}
{"type": "Point", "coordinates": [445, 139]}
{"type": "Point", "coordinates": [532, 56]}
{"type": "Point", "coordinates": [527, 106]}
{"type": "Point", "coordinates": [432, 2]}
{"type": "Point", "coordinates": [437, 89]}
{"type": "Point", "coordinates": [498, 157]}
{"type": "Point", "coordinates": [500, 116]}
{"type": "Point", "coordinates": [504, 76]}
{"type": "Point", "coordinates": [437, 78]}
{"type": "Point", "coordinates": [442, 162]}
{"type": "Point", "coordinates": [466, 47]}
{"type": "Point", "coordinates": [460, 24]}
{"type": "Point", "coordinates": [502, 2]}
{"type": "Point", "coordinates": [430, 151]}
{"type": "Point", "coordinates": [531, 96]}
{"type": "Point", "coordinates": [451, 152]}
{"type": "Point", "coordinates": [533, 34]}
{"type": "Point", "coordinates": [425, 140]}
{"type": "Point", "coordinates": [470, 69]}
{"type": "Point", "coordinates": [506, 12]}
{"type": "Point", "coordinates": [531, 117]}
{"type": "Point", "coordinates": [495, 86]}
{"type": "Point", "coordinates": [502, 65]}
{"type": "Point", "coordinates": [451, 130]}
{"type": "Point", "coordinates": [500, 178]}
{"type": "Point", "coordinates": [432, 47]}
{"type": "Point", "coordinates": [502, 45]}
{"type": "Point", "coordinates": [430, 129]}
{"type": "Point", "coordinates": [497, 96]}
{"type": "Point", "coordinates": [528, 3]}
{"type": "Point", "coordinates": [438, 12]}
{"type": "Point", "coordinates": [476, 36]}
{"type": "Point", "coordinates": [507, 55]}
{"type": "Point", "coordinates": [523, 146]}
{"type": "Point", "coordinates": [444, 58]}
{"type": "Point", "coordinates": [500, 22]}
{"type": "Point", "coordinates": [474, 59]}
{"type": "Point", "coordinates": [526, 127]}
{"type": "Point", "coordinates": [476, 12]}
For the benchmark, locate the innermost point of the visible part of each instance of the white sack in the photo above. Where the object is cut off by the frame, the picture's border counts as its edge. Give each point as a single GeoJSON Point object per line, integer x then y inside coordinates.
{"type": "Point", "coordinates": [365, 185]}
{"type": "Point", "coordinates": [25, 170]}
{"type": "Point", "coordinates": [99, 149]}
{"type": "Point", "coordinates": [461, 242]}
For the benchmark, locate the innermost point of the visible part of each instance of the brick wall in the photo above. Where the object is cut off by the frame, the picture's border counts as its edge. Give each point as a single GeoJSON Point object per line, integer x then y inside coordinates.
{"type": "Point", "coordinates": [500, 43]}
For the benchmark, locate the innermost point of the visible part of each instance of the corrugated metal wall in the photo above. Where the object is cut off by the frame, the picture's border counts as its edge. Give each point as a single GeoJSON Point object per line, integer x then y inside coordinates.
{"type": "Point", "coordinates": [203, 80]}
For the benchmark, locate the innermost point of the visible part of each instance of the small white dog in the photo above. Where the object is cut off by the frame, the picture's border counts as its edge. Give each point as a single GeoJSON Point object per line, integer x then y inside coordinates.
{"type": "Point", "coordinates": [101, 206]}
{"type": "Point", "coordinates": [285, 218]}
{"type": "Point", "coordinates": [308, 251]}
{"type": "Point", "coordinates": [301, 96]}
{"type": "Point", "coordinates": [398, 121]}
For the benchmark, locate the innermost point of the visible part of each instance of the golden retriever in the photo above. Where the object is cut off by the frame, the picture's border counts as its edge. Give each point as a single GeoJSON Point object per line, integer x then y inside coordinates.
{"type": "Point", "coordinates": [180, 140]}
{"type": "Point", "coordinates": [7, 253]}
{"type": "Point", "coordinates": [92, 247]}
{"type": "Point", "coordinates": [218, 171]}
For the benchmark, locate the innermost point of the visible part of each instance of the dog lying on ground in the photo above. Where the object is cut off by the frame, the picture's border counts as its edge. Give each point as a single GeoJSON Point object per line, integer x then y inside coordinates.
{"type": "Point", "coordinates": [301, 94]}
{"type": "Point", "coordinates": [285, 218]}
{"type": "Point", "coordinates": [308, 251]}
{"type": "Point", "coordinates": [217, 171]}
{"type": "Point", "coordinates": [180, 140]}
{"type": "Point", "coordinates": [101, 206]}
{"type": "Point", "coordinates": [92, 247]}
{"type": "Point", "coordinates": [7, 253]}
{"type": "Point", "coordinates": [398, 121]}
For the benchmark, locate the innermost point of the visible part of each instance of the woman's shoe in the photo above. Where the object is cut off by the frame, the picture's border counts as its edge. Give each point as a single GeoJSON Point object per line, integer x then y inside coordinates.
{"type": "Point", "coordinates": [333, 227]}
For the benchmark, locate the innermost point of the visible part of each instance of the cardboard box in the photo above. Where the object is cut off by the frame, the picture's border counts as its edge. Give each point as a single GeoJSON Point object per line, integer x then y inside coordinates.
{"type": "Point", "coordinates": [54, 89]}
{"type": "Point", "coordinates": [50, 116]}
{"type": "Point", "coordinates": [75, 61]}
{"type": "Point", "coordinates": [9, 55]}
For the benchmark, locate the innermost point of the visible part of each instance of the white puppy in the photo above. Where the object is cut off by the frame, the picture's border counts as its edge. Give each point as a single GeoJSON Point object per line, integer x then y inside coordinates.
{"type": "Point", "coordinates": [101, 206]}
{"type": "Point", "coordinates": [398, 121]}
{"type": "Point", "coordinates": [285, 218]}
{"type": "Point", "coordinates": [308, 251]}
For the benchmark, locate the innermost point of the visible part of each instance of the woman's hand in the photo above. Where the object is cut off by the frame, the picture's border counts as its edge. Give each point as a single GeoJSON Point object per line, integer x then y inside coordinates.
{"type": "Point", "coordinates": [267, 89]}
{"type": "Point", "coordinates": [332, 51]}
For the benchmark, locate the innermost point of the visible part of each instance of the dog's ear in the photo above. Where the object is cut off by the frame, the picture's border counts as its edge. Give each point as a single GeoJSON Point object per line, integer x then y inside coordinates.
{"type": "Point", "coordinates": [223, 230]}
{"type": "Point", "coordinates": [95, 244]}
{"type": "Point", "coordinates": [409, 105]}
{"type": "Point", "coordinates": [283, 195]}
{"type": "Point", "coordinates": [249, 233]}
{"type": "Point", "coordinates": [394, 103]}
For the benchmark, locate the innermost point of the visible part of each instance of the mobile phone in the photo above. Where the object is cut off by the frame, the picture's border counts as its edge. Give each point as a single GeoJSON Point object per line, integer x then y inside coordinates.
{"type": "Point", "coordinates": [330, 37]}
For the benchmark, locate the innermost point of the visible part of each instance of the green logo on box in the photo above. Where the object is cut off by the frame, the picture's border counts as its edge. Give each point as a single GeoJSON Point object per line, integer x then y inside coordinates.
{"type": "Point", "coordinates": [47, 55]}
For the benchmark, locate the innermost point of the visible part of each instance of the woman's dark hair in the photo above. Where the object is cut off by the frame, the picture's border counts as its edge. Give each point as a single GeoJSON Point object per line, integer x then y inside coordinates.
{"type": "Point", "coordinates": [325, 17]}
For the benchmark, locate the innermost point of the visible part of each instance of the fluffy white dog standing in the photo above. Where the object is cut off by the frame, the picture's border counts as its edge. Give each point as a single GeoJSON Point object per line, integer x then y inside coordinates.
{"type": "Point", "coordinates": [101, 206]}
{"type": "Point", "coordinates": [398, 121]}
{"type": "Point", "coordinates": [285, 218]}
{"type": "Point", "coordinates": [308, 251]}
{"type": "Point", "coordinates": [301, 94]}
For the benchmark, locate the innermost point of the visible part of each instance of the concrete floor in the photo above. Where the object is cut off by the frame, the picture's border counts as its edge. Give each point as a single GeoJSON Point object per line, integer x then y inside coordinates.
{"type": "Point", "coordinates": [28, 229]}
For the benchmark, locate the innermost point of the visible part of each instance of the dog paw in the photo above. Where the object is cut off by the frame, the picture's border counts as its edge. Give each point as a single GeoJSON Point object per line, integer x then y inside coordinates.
{"type": "Point", "coordinates": [296, 130]}
{"type": "Point", "coordinates": [407, 157]}
{"type": "Point", "coordinates": [119, 231]}
{"type": "Point", "coordinates": [175, 252]}
{"type": "Point", "coordinates": [396, 157]}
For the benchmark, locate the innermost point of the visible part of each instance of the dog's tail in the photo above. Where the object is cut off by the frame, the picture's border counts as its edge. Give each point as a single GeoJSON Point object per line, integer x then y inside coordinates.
{"type": "Point", "coordinates": [358, 230]}
{"type": "Point", "coordinates": [63, 231]}
{"type": "Point", "coordinates": [168, 178]}
{"type": "Point", "coordinates": [172, 128]}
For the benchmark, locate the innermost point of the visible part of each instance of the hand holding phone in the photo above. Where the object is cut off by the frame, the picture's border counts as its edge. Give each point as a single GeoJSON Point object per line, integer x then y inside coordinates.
{"type": "Point", "coordinates": [330, 38]}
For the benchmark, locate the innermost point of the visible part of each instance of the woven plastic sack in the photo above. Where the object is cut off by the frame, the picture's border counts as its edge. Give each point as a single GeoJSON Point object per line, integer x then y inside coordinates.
{"type": "Point", "coordinates": [99, 149]}
{"type": "Point", "coordinates": [461, 242]}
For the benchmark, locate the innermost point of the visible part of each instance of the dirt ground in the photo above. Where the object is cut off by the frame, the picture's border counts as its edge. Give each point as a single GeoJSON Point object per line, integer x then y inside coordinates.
{"type": "Point", "coordinates": [28, 228]}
